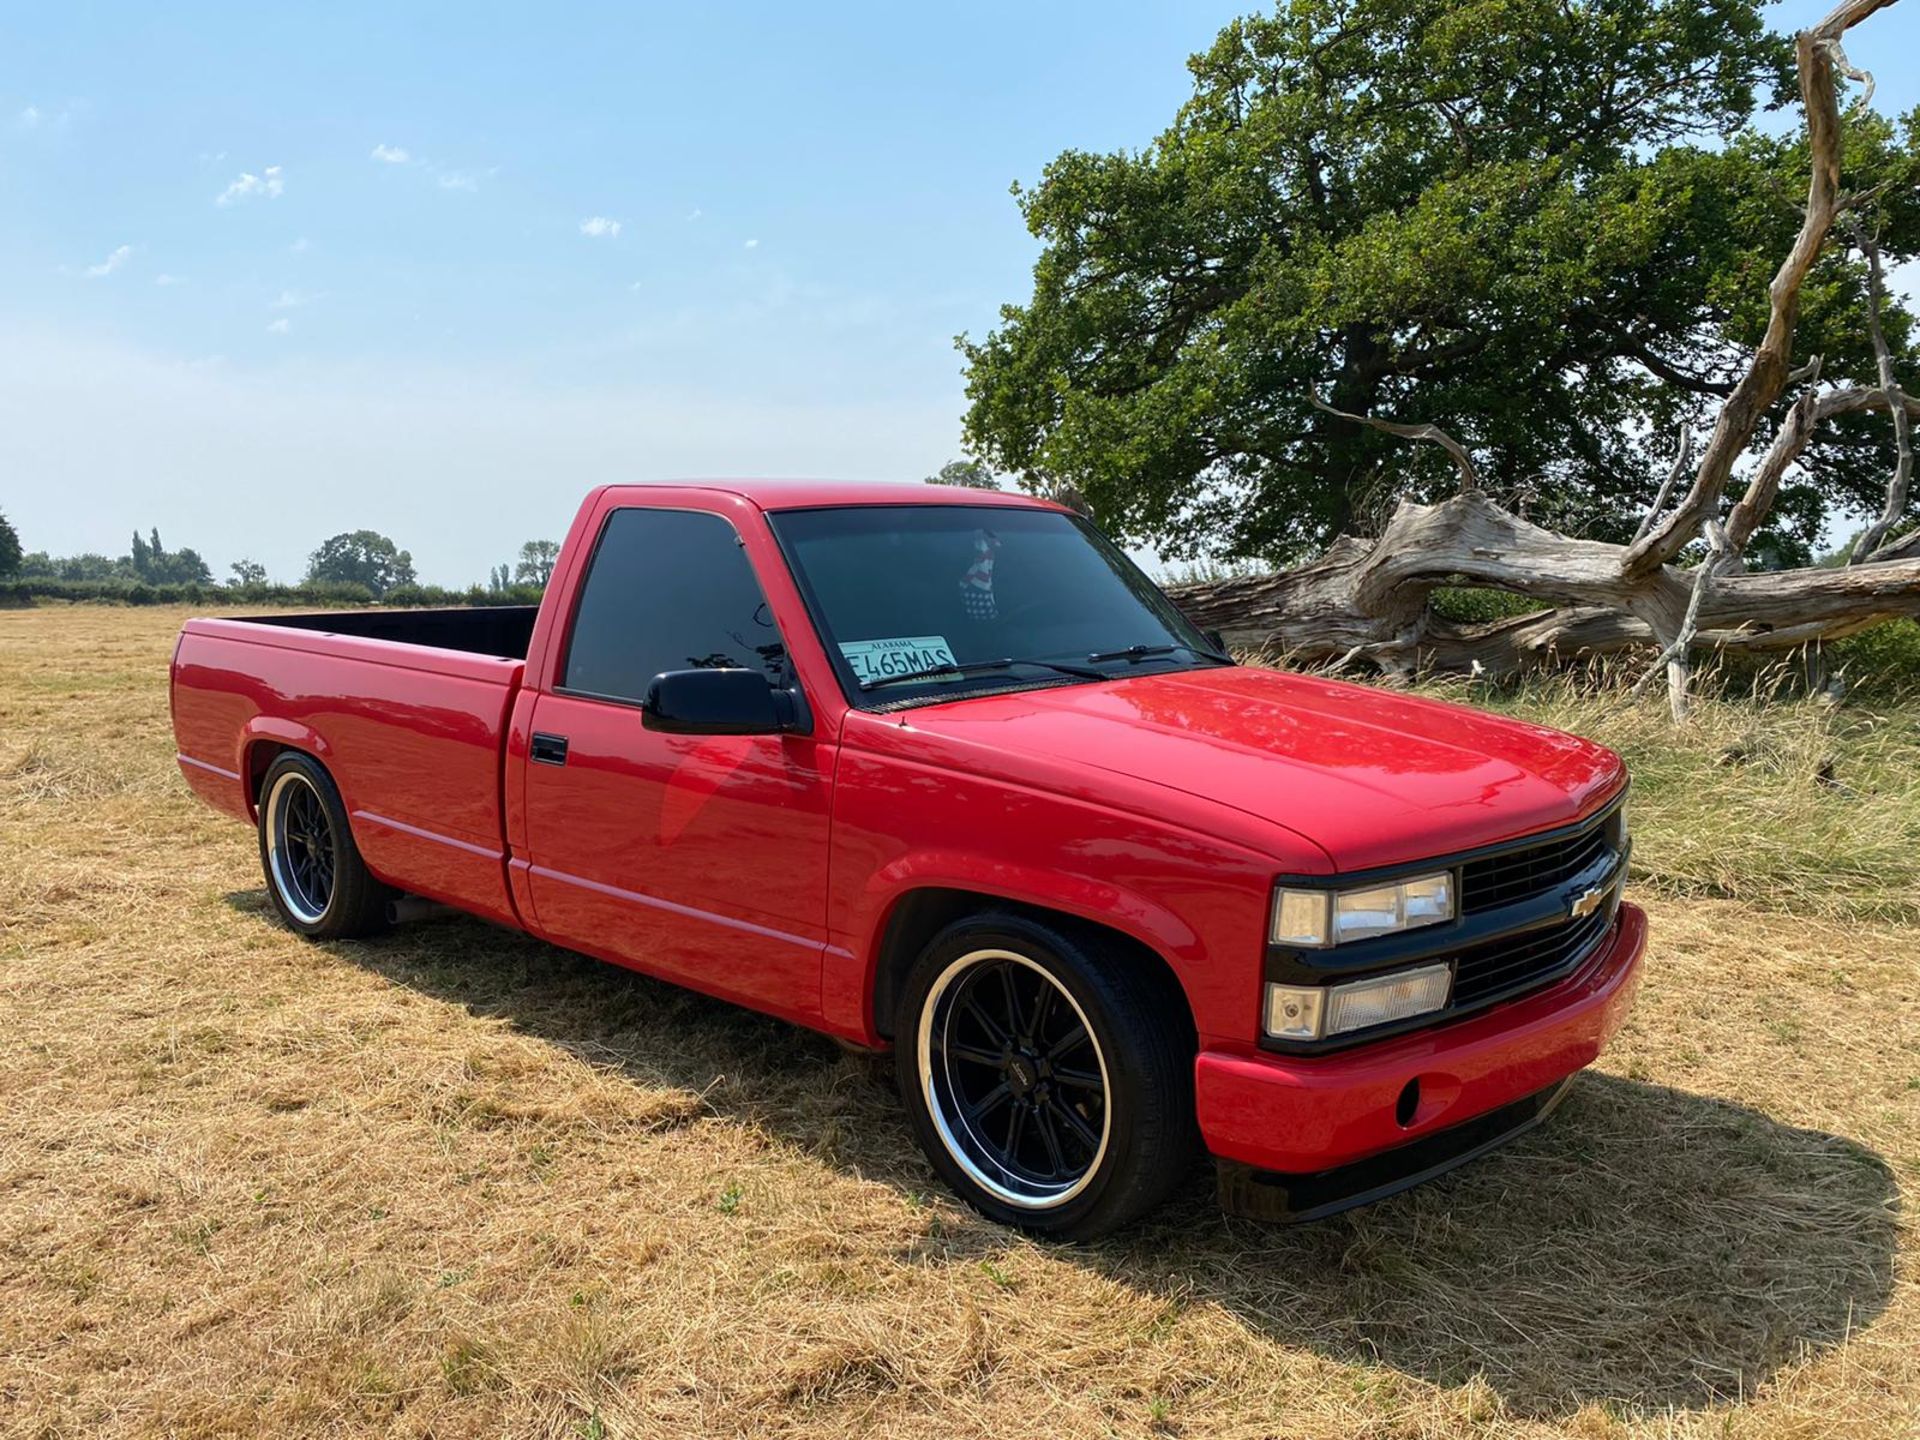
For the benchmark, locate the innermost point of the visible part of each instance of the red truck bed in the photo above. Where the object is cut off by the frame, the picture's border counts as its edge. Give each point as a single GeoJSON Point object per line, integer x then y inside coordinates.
{"type": "Point", "coordinates": [414, 735]}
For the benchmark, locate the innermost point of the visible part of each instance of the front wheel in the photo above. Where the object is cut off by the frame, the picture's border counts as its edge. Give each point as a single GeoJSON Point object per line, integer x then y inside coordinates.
{"type": "Point", "coordinates": [319, 883]}
{"type": "Point", "coordinates": [1048, 1077]}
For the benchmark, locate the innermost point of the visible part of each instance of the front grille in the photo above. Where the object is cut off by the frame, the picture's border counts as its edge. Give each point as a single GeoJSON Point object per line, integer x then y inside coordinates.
{"type": "Point", "coordinates": [1516, 875]}
{"type": "Point", "coordinates": [1508, 966]}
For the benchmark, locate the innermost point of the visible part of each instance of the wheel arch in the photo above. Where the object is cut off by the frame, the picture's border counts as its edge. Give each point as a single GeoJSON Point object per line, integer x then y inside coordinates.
{"type": "Point", "coordinates": [919, 914]}
{"type": "Point", "coordinates": [264, 740]}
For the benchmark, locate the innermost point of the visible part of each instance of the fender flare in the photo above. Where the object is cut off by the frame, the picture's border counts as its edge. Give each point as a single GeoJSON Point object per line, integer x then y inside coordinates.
{"type": "Point", "coordinates": [282, 734]}
{"type": "Point", "coordinates": [1098, 902]}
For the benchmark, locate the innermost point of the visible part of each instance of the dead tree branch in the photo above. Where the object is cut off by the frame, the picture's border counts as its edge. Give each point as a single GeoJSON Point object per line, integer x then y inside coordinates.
{"type": "Point", "coordinates": [1788, 441]}
{"type": "Point", "coordinates": [1897, 486]}
{"type": "Point", "coordinates": [1676, 659]}
{"type": "Point", "coordinates": [1683, 452]}
{"type": "Point", "coordinates": [1469, 477]}
{"type": "Point", "coordinates": [1757, 390]}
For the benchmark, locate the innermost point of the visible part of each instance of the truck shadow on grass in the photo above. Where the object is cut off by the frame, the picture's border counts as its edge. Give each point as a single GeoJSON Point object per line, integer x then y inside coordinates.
{"type": "Point", "coordinates": [1648, 1248]}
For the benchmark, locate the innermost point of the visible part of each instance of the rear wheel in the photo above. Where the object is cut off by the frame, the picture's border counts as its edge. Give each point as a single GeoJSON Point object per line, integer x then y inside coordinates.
{"type": "Point", "coordinates": [1048, 1079]}
{"type": "Point", "coordinates": [319, 883]}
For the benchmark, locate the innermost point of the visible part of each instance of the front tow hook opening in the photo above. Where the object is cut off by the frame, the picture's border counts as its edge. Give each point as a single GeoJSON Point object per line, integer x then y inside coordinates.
{"type": "Point", "coordinates": [1408, 1105]}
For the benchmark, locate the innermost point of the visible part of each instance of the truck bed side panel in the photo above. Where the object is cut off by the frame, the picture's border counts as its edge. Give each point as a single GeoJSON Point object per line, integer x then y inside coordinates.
{"type": "Point", "coordinates": [413, 737]}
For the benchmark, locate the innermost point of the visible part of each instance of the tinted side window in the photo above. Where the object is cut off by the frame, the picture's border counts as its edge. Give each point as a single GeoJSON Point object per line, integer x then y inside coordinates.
{"type": "Point", "coordinates": [668, 590]}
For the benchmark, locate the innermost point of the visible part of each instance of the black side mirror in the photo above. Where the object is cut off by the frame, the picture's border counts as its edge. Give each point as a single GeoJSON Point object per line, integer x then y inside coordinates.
{"type": "Point", "coordinates": [717, 702]}
{"type": "Point", "coordinates": [1216, 640]}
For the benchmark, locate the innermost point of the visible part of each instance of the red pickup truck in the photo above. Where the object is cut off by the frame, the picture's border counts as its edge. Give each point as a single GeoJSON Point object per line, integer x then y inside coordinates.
{"type": "Point", "coordinates": [942, 771]}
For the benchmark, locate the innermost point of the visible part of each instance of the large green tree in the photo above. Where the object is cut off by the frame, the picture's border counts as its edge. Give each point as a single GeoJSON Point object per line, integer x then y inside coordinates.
{"type": "Point", "coordinates": [361, 557]}
{"type": "Point", "coordinates": [151, 561]}
{"type": "Point", "coordinates": [10, 556]}
{"type": "Point", "coordinates": [1546, 226]}
{"type": "Point", "coordinates": [535, 566]}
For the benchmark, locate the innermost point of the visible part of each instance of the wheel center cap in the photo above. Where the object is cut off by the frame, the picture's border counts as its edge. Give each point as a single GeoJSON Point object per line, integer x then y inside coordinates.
{"type": "Point", "coordinates": [1021, 1074]}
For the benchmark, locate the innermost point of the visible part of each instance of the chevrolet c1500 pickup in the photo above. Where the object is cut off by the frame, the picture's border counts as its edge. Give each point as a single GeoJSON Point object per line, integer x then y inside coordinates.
{"type": "Point", "coordinates": [941, 771]}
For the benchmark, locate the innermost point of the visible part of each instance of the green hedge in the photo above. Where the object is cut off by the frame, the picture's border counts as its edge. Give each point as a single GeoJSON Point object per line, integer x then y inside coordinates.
{"type": "Point", "coordinates": [320, 596]}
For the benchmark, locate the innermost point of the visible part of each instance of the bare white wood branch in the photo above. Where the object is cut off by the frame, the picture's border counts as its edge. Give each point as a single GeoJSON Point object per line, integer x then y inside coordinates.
{"type": "Point", "coordinates": [1766, 375]}
{"type": "Point", "coordinates": [1677, 659]}
{"type": "Point", "coordinates": [1898, 484]}
{"type": "Point", "coordinates": [1847, 68]}
{"type": "Point", "coordinates": [1907, 545]}
{"type": "Point", "coordinates": [1683, 452]}
{"type": "Point", "coordinates": [1369, 598]}
{"type": "Point", "coordinates": [1469, 477]}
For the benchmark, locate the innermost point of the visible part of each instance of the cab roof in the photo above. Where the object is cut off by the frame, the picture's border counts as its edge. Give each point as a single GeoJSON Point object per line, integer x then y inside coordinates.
{"type": "Point", "coordinates": [812, 494]}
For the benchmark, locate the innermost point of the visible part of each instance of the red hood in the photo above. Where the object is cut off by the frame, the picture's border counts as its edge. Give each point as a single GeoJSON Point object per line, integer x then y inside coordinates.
{"type": "Point", "coordinates": [1375, 778]}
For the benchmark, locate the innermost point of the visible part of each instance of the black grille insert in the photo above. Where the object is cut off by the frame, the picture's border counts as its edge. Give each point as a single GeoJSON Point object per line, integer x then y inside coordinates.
{"type": "Point", "coordinates": [1515, 963]}
{"type": "Point", "coordinates": [1516, 875]}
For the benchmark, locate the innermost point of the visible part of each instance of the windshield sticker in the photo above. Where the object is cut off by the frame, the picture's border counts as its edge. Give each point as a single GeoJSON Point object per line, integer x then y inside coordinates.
{"type": "Point", "coordinates": [901, 655]}
{"type": "Point", "coordinates": [976, 586]}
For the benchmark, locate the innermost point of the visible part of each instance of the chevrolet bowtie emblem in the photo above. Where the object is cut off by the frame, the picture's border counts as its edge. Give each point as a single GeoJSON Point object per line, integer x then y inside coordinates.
{"type": "Point", "coordinates": [1588, 903]}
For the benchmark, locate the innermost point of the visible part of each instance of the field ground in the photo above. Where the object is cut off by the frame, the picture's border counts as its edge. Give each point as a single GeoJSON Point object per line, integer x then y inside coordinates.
{"type": "Point", "coordinates": [456, 1182]}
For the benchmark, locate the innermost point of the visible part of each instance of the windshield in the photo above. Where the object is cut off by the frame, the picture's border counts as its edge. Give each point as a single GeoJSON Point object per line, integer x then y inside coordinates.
{"type": "Point", "coordinates": [957, 589]}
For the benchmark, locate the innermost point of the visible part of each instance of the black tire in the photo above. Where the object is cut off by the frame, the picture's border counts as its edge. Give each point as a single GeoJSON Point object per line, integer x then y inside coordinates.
{"type": "Point", "coordinates": [1113, 1154]}
{"type": "Point", "coordinates": [318, 882]}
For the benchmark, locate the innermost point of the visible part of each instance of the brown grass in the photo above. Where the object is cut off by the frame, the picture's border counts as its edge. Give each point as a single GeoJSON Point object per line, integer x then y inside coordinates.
{"type": "Point", "coordinates": [457, 1182]}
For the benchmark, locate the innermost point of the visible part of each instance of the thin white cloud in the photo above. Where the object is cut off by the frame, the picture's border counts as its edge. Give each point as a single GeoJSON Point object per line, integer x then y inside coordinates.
{"type": "Point", "coordinates": [599, 227]}
{"type": "Point", "coordinates": [36, 117]}
{"type": "Point", "coordinates": [292, 300]}
{"type": "Point", "coordinates": [280, 326]}
{"type": "Point", "coordinates": [270, 184]}
{"type": "Point", "coordinates": [299, 246]}
{"type": "Point", "coordinates": [751, 245]}
{"type": "Point", "coordinates": [165, 279]}
{"type": "Point", "coordinates": [121, 254]}
{"type": "Point", "coordinates": [695, 213]}
{"type": "Point", "coordinates": [444, 176]}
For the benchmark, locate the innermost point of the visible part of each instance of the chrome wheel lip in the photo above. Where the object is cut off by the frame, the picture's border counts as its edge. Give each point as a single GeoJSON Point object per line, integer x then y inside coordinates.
{"type": "Point", "coordinates": [1026, 1196]}
{"type": "Point", "coordinates": [287, 885]}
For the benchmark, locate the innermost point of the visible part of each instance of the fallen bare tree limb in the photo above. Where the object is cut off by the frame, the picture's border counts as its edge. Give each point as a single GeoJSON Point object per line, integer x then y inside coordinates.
{"type": "Point", "coordinates": [1369, 598]}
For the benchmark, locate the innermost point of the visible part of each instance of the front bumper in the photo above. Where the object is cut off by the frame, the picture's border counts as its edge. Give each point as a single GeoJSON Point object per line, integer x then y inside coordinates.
{"type": "Point", "coordinates": [1411, 1101]}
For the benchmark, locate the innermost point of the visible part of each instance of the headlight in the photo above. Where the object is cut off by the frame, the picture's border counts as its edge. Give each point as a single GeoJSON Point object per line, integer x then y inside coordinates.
{"type": "Point", "coordinates": [1318, 918]}
{"type": "Point", "coordinates": [1314, 1012]}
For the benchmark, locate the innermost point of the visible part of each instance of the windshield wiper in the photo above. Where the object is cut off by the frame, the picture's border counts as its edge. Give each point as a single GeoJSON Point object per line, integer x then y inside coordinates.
{"type": "Point", "coordinates": [980, 667]}
{"type": "Point", "coordinates": [1148, 652]}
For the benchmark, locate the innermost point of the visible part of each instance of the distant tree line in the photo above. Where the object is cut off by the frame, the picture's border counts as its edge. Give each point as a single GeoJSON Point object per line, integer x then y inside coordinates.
{"type": "Point", "coordinates": [356, 566]}
{"type": "Point", "coordinates": [147, 561]}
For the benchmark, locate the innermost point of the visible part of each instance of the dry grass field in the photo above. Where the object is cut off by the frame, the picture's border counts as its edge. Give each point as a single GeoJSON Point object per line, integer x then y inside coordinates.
{"type": "Point", "coordinates": [456, 1182]}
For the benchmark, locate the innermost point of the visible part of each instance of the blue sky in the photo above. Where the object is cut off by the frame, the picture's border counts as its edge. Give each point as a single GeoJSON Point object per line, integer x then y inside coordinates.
{"type": "Point", "coordinates": [268, 274]}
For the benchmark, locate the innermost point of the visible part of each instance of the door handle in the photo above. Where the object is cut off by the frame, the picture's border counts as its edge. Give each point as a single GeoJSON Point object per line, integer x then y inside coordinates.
{"type": "Point", "coordinates": [548, 749]}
